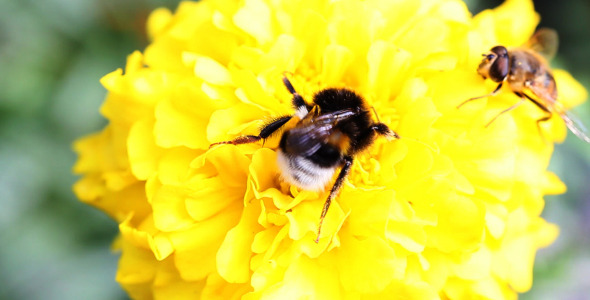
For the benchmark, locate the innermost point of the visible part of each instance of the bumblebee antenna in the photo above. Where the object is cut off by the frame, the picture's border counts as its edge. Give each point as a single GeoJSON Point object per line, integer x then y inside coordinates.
{"type": "Point", "coordinates": [376, 115]}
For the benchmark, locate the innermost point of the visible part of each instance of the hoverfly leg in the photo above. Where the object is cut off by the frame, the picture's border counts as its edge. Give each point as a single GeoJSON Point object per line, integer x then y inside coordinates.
{"type": "Point", "coordinates": [544, 108]}
{"type": "Point", "coordinates": [484, 96]}
{"type": "Point", "coordinates": [334, 191]}
{"type": "Point", "coordinates": [547, 116]}
{"type": "Point", "coordinates": [506, 110]}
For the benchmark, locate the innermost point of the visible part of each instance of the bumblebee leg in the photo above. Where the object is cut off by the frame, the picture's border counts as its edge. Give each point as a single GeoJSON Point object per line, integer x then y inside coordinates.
{"type": "Point", "coordinates": [265, 132]}
{"type": "Point", "coordinates": [297, 99]}
{"type": "Point", "coordinates": [334, 191]}
{"type": "Point", "coordinates": [479, 97]}
{"type": "Point", "coordinates": [246, 139]}
{"type": "Point", "coordinates": [506, 110]}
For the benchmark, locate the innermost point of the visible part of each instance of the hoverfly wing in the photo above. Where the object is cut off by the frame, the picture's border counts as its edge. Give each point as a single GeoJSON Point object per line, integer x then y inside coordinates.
{"type": "Point", "coordinates": [545, 41]}
{"type": "Point", "coordinates": [310, 134]}
{"type": "Point", "coordinates": [575, 125]}
{"type": "Point", "coordinates": [545, 89]}
{"type": "Point", "coordinates": [572, 122]}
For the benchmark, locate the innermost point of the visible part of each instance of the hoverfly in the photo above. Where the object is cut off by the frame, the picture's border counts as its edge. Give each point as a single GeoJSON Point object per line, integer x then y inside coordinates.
{"type": "Point", "coordinates": [528, 75]}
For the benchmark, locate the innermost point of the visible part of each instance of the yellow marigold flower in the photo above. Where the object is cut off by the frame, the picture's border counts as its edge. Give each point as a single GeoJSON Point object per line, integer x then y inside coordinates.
{"type": "Point", "coordinates": [449, 211]}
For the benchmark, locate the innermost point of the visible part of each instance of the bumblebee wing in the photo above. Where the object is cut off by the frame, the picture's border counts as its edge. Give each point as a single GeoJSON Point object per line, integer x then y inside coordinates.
{"type": "Point", "coordinates": [573, 123]}
{"type": "Point", "coordinates": [312, 132]}
{"type": "Point", "coordinates": [545, 41]}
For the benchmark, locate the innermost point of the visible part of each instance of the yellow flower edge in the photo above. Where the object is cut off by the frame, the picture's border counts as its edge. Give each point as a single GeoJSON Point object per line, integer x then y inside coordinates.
{"type": "Point", "coordinates": [451, 211]}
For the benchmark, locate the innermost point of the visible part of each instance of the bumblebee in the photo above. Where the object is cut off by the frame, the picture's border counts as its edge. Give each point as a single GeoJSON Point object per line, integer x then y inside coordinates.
{"type": "Point", "coordinates": [326, 137]}
{"type": "Point", "coordinates": [528, 75]}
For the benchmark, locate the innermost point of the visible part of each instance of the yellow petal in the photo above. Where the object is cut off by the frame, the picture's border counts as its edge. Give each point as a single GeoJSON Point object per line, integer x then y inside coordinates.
{"type": "Point", "coordinates": [255, 19]}
{"type": "Point", "coordinates": [137, 269]}
{"type": "Point", "coordinates": [320, 283]}
{"type": "Point", "coordinates": [284, 55]}
{"type": "Point", "coordinates": [233, 263]}
{"type": "Point", "coordinates": [210, 196]}
{"type": "Point", "coordinates": [209, 70]}
{"type": "Point", "coordinates": [196, 247]}
{"type": "Point", "coordinates": [417, 110]}
{"type": "Point", "coordinates": [223, 121]}
{"type": "Point", "coordinates": [219, 289]}
{"type": "Point", "coordinates": [161, 246]}
{"type": "Point", "coordinates": [424, 38]}
{"type": "Point", "coordinates": [336, 59]}
{"type": "Point", "coordinates": [571, 92]}
{"type": "Point", "coordinates": [387, 63]}
{"type": "Point", "coordinates": [174, 165]}
{"type": "Point", "coordinates": [495, 225]}
{"type": "Point", "coordinates": [369, 211]}
{"type": "Point", "coordinates": [157, 21]}
{"type": "Point", "coordinates": [407, 290]}
{"type": "Point", "coordinates": [408, 235]}
{"type": "Point", "coordinates": [169, 209]}
{"type": "Point", "coordinates": [514, 21]}
{"type": "Point", "coordinates": [458, 229]}
{"type": "Point", "coordinates": [178, 124]}
{"type": "Point", "coordinates": [143, 152]}
{"type": "Point", "coordinates": [476, 266]}
{"type": "Point", "coordinates": [368, 272]}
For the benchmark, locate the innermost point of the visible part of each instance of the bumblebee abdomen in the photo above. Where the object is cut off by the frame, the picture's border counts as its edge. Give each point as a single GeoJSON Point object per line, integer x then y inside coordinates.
{"type": "Point", "coordinates": [326, 156]}
{"type": "Point", "coordinates": [303, 172]}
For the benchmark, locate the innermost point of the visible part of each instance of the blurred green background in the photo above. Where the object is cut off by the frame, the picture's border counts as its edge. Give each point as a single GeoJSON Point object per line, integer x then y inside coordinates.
{"type": "Point", "coordinates": [52, 54]}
